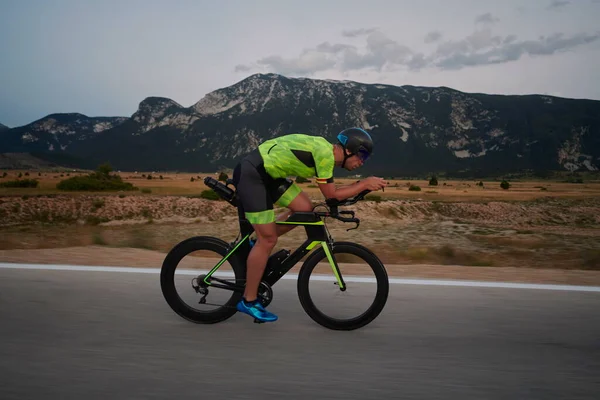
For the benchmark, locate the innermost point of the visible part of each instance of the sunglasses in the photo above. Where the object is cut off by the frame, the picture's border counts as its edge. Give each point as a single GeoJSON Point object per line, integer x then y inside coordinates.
{"type": "Point", "coordinates": [363, 154]}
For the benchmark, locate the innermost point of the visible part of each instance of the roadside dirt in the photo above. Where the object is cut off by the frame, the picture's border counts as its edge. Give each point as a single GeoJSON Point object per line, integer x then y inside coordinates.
{"type": "Point", "coordinates": [545, 240]}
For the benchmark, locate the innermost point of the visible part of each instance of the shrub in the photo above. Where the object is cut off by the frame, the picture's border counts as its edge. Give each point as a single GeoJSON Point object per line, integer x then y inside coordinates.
{"type": "Point", "coordinates": [96, 181]}
{"type": "Point", "coordinates": [504, 184]}
{"type": "Point", "coordinates": [414, 188]}
{"type": "Point", "coordinates": [210, 195]}
{"type": "Point", "coordinates": [373, 197]}
{"type": "Point", "coordinates": [433, 181]}
{"type": "Point", "coordinates": [300, 179]}
{"type": "Point", "coordinates": [98, 203]}
{"type": "Point", "coordinates": [20, 183]}
{"type": "Point", "coordinates": [223, 177]}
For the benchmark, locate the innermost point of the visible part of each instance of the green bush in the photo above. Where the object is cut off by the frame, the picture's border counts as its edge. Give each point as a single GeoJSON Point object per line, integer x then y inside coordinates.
{"type": "Point", "coordinates": [504, 184]}
{"type": "Point", "coordinates": [210, 195]}
{"type": "Point", "coordinates": [433, 181]}
{"type": "Point", "coordinates": [98, 203]}
{"type": "Point", "coordinates": [300, 179]}
{"type": "Point", "coordinates": [222, 177]}
{"type": "Point", "coordinates": [20, 183]}
{"type": "Point", "coordinates": [100, 180]}
{"type": "Point", "coordinates": [90, 183]}
{"type": "Point", "coordinates": [373, 197]}
{"type": "Point", "coordinates": [414, 188]}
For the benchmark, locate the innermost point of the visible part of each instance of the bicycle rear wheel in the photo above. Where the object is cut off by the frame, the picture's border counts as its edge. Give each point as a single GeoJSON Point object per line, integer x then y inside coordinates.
{"type": "Point", "coordinates": [201, 255]}
{"type": "Point", "coordinates": [351, 258]}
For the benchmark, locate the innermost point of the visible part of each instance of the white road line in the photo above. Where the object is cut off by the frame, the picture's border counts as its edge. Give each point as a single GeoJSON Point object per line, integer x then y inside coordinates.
{"type": "Point", "coordinates": [406, 281]}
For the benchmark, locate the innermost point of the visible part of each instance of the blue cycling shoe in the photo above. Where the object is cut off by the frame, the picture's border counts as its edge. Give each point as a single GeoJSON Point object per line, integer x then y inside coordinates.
{"type": "Point", "coordinates": [256, 310]}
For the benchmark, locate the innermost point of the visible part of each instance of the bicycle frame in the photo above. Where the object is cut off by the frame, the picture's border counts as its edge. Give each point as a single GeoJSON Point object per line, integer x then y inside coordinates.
{"type": "Point", "coordinates": [316, 235]}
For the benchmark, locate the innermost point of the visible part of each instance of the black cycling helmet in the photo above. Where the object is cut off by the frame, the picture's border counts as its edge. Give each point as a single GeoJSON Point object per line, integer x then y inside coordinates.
{"type": "Point", "coordinates": [357, 141]}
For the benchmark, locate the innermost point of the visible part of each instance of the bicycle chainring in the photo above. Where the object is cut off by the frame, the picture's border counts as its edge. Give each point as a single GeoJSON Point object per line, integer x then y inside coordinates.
{"type": "Point", "coordinates": [265, 294]}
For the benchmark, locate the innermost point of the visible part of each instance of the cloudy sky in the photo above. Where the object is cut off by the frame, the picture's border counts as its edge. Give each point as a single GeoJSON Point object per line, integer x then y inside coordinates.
{"type": "Point", "coordinates": [101, 58]}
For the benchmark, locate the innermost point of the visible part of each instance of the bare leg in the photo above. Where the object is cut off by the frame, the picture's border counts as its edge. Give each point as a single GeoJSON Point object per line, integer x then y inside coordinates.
{"type": "Point", "coordinates": [266, 239]}
{"type": "Point", "coordinates": [300, 203]}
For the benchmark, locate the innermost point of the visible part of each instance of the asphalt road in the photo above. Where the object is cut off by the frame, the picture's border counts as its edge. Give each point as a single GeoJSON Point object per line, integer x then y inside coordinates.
{"type": "Point", "coordinates": [105, 335]}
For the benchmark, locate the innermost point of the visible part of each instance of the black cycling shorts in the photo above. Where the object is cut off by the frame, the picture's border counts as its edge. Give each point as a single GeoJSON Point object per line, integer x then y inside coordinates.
{"type": "Point", "coordinates": [257, 191]}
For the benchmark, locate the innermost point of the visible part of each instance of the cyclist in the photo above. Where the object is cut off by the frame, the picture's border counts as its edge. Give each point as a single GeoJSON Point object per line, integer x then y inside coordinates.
{"type": "Point", "coordinates": [262, 179]}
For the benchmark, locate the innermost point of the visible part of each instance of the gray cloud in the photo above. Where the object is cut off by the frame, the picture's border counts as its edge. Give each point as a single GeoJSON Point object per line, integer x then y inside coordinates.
{"type": "Point", "coordinates": [242, 68]}
{"type": "Point", "coordinates": [309, 62]}
{"type": "Point", "coordinates": [433, 36]}
{"type": "Point", "coordinates": [508, 49]}
{"type": "Point", "coordinates": [479, 48]}
{"type": "Point", "coordinates": [476, 41]}
{"type": "Point", "coordinates": [558, 4]}
{"type": "Point", "coordinates": [380, 51]}
{"type": "Point", "coordinates": [417, 62]}
{"type": "Point", "coordinates": [327, 47]}
{"type": "Point", "coordinates": [486, 18]}
{"type": "Point", "coordinates": [358, 32]}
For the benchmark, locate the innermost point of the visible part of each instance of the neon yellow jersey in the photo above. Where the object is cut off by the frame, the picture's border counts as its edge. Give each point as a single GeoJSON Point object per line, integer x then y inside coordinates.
{"type": "Point", "coordinates": [298, 154]}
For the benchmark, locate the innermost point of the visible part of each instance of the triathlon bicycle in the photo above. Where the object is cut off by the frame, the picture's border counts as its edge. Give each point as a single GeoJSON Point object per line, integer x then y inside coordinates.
{"type": "Point", "coordinates": [326, 250]}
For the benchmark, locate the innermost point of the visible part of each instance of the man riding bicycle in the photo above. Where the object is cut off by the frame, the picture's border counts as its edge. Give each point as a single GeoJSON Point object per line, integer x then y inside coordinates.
{"type": "Point", "coordinates": [261, 180]}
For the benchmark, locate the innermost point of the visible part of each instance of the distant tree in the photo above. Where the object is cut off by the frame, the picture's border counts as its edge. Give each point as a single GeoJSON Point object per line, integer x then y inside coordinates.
{"type": "Point", "coordinates": [104, 169]}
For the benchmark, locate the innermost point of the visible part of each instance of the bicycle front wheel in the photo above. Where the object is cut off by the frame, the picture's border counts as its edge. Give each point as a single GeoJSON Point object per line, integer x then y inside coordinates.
{"type": "Point", "coordinates": [366, 287]}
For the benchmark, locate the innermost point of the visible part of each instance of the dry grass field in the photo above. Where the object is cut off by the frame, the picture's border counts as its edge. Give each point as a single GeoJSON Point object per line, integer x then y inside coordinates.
{"type": "Point", "coordinates": [176, 184]}
{"type": "Point", "coordinates": [534, 224]}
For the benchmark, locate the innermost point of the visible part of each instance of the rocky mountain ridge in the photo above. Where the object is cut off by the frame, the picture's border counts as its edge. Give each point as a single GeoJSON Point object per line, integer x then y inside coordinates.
{"type": "Point", "coordinates": [416, 129]}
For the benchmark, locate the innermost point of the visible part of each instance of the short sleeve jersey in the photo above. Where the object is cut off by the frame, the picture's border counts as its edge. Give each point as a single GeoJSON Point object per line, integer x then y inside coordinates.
{"type": "Point", "coordinates": [298, 154]}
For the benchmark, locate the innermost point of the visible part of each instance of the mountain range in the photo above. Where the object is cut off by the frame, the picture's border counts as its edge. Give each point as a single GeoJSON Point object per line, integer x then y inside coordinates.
{"type": "Point", "coordinates": [416, 129]}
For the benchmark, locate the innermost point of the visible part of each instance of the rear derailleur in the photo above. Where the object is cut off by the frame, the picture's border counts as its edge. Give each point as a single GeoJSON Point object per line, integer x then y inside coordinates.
{"type": "Point", "coordinates": [200, 287]}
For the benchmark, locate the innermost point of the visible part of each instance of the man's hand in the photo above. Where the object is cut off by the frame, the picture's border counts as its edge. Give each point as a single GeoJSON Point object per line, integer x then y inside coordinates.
{"type": "Point", "coordinates": [374, 183]}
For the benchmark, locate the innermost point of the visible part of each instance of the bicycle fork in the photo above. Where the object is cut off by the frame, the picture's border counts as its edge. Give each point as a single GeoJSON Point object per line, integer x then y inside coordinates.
{"type": "Point", "coordinates": [328, 249]}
